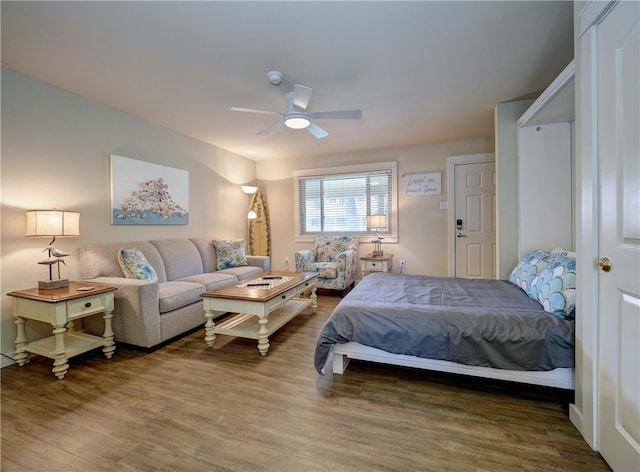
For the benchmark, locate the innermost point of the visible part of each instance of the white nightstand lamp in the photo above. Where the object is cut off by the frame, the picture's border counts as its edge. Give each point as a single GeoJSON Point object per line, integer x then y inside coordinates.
{"type": "Point", "coordinates": [50, 224]}
{"type": "Point", "coordinates": [376, 222]}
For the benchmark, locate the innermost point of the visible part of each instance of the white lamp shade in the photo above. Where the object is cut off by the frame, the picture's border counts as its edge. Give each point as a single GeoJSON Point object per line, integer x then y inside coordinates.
{"type": "Point", "coordinates": [249, 189]}
{"type": "Point", "coordinates": [377, 221]}
{"type": "Point", "coordinates": [47, 223]}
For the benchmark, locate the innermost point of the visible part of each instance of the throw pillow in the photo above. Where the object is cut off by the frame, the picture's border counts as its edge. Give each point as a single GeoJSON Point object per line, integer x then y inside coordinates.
{"type": "Point", "coordinates": [135, 265]}
{"type": "Point", "coordinates": [563, 252]}
{"type": "Point", "coordinates": [230, 253]}
{"type": "Point", "coordinates": [528, 268]}
{"type": "Point", "coordinates": [555, 286]}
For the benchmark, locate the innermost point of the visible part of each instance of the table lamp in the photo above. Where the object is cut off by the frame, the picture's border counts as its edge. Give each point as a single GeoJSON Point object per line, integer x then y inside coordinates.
{"type": "Point", "coordinates": [376, 222]}
{"type": "Point", "coordinates": [50, 224]}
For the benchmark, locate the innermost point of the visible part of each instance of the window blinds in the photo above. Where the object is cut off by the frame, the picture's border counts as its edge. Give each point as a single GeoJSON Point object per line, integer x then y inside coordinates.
{"type": "Point", "coordinates": [340, 203]}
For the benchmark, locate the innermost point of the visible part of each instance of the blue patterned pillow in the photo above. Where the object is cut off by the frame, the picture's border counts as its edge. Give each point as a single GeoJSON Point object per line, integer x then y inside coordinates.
{"type": "Point", "coordinates": [230, 253]}
{"type": "Point", "coordinates": [528, 268]}
{"type": "Point", "coordinates": [555, 286]}
{"type": "Point", "coordinates": [135, 265]}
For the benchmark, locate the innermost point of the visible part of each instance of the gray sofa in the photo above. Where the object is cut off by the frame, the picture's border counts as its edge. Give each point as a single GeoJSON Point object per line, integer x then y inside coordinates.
{"type": "Point", "coordinates": [146, 313]}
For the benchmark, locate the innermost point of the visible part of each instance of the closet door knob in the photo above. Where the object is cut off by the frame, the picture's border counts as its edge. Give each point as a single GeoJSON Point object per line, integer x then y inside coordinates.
{"type": "Point", "coordinates": [604, 264]}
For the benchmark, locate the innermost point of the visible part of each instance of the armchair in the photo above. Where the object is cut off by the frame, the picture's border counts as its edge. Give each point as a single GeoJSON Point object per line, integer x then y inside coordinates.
{"type": "Point", "coordinates": [335, 258]}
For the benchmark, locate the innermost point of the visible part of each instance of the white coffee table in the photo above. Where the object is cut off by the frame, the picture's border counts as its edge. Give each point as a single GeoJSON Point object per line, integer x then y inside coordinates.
{"type": "Point", "coordinates": [259, 310]}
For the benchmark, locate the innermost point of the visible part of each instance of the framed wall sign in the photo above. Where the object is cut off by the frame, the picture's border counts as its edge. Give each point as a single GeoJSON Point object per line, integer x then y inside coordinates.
{"type": "Point", "coordinates": [422, 184]}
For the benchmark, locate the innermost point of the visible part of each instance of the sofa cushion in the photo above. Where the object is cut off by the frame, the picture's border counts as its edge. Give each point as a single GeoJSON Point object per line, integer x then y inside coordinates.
{"type": "Point", "coordinates": [207, 253]}
{"type": "Point", "coordinates": [230, 253]}
{"type": "Point", "coordinates": [135, 266]}
{"type": "Point", "coordinates": [176, 294]}
{"type": "Point", "coordinates": [181, 257]}
{"type": "Point", "coordinates": [242, 273]}
{"type": "Point", "coordinates": [212, 281]}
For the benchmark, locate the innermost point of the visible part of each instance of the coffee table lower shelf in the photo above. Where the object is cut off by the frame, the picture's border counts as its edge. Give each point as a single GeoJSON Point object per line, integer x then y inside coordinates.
{"type": "Point", "coordinates": [246, 325]}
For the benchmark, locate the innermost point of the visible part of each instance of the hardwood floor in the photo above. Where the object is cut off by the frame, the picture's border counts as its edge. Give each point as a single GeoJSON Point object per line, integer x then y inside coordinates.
{"type": "Point", "coordinates": [185, 407]}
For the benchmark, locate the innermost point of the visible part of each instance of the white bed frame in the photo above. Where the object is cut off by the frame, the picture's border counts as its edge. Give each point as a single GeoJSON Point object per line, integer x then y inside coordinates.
{"type": "Point", "coordinates": [343, 353]}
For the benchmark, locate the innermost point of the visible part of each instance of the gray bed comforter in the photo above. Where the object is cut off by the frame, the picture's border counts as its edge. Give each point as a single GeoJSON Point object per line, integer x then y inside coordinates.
{"type": "Point", "coordinates": [490, 323]}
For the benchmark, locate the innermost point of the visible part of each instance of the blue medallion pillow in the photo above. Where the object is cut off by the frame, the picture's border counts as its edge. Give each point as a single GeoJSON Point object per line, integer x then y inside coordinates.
{"type": "Point", "coordinates": [230, 253]}
{"type": "Point", "coordinates": [135, 266]}
{"type": "Point", "coordinates": [555, 286]}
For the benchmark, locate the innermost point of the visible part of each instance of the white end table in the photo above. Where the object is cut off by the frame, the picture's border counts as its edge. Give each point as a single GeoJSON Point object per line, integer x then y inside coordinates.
{"type": "Point", "coordinates": [373, 263]}
{"type": "Point", "coordinates": [61, 307]}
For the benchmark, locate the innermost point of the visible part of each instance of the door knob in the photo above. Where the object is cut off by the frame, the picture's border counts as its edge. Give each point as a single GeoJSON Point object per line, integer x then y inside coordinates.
{"type": "Point", "coordinates": [604, 264]}
{"type": "Point", "coordinates": [460, 235]}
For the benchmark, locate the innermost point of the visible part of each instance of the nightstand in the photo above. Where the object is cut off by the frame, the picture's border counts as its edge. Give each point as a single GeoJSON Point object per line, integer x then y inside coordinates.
{"type": "Point", "coordinates": [61, 307]}
{"type": "Point", "coordinates": [373, 263]}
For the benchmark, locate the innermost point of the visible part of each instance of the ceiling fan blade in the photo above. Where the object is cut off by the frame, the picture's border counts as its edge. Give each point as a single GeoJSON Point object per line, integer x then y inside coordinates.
{"type": "Point", "coordinates": [301, 96]}
{"type": "Point", "coordinates": [253, 110]}
{"type": "Point", "coordinates": [270, 129]}
{"type": "Point", "coordinates": [337, 115]}
{"type": "Point", "coordinates": [315, 130]}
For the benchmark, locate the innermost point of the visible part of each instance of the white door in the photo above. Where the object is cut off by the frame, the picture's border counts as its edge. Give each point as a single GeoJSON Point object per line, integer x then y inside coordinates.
{"type": "Point", "coordinates": [618, 101]}
{"type": "Point", "coordinates": [474, 220]}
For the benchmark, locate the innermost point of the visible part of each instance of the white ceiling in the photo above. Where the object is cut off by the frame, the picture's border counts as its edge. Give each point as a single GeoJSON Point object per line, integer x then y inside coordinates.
{"type": "Point", "coordinates": [420, 72]}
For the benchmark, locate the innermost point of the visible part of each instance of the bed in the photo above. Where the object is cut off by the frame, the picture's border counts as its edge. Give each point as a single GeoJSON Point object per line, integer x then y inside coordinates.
{"type": "Point", "coordinates": [485, 328]}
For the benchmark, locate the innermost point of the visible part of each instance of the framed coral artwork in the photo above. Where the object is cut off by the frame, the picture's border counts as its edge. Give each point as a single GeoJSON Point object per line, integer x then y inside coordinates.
{"type": "Point", "coordinates": [143, 193]}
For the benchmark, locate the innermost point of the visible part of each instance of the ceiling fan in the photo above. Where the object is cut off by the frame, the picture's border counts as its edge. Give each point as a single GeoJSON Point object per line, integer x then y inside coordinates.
{"type": "Point", "coordinates": [297, 116]}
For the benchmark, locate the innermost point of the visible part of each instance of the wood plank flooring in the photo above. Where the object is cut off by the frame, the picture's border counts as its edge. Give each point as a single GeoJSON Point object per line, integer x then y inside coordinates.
{"type": "Point", "coordinates": [185, 408]}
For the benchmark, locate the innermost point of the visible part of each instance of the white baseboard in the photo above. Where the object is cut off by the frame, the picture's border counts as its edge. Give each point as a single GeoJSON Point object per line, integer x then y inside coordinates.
{"type": "Point", "coordinates": [575, 416]}
{"type": "Point", "coordinates": [7, 360]}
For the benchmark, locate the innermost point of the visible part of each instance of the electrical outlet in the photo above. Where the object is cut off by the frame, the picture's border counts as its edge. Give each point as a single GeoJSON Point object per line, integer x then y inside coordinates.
{"type": "Point", "coordinates": [286, 260]}
{"type": "Point", "coordinates": [402, 263]}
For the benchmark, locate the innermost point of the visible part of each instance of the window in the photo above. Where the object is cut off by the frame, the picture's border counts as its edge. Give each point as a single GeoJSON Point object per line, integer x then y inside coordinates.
{"type": "Point", "coordinates": [338, 200]}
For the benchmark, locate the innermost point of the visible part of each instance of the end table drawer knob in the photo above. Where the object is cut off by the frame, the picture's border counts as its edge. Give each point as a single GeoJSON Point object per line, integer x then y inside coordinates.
{"type": "Point", "coordinates": [87, 305]}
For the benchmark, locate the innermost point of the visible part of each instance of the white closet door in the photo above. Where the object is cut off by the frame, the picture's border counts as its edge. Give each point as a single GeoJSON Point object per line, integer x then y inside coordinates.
{"type": "Point", "coordinates": [618, 101]}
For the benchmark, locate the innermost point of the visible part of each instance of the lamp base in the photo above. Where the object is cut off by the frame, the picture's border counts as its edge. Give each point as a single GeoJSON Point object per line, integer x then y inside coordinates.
{"type": "Point", "coordinates": [51, 284]}
{"type": "Point", "coordinates": [377, 247]}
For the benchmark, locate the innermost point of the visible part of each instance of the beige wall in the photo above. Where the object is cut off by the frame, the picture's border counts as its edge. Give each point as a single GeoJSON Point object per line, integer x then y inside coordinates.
{"type": "Point", "coordinates": [55, 154]}
{"type": "Point", "coordinates": [422, 241]}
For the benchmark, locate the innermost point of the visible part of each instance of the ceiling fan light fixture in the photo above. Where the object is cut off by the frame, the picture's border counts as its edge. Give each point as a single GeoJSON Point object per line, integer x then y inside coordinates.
{"type": "Point", "coordinates": [297, 121]}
